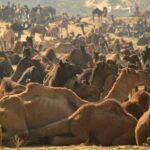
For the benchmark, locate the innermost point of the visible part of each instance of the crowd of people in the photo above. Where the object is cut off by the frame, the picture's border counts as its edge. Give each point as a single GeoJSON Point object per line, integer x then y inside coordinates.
{"type": "Point", "coordinates": [12, 12]}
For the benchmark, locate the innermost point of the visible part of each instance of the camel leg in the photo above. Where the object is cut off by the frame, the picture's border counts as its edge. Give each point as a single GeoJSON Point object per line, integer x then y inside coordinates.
{"type": "Point", "coordinates": [125, 139]}
{"type": "Point", "coordinates": [61, 33]}
{"type": "Point", "coordinates": [57, 128]}
{"type": "Point", "coordinates": [12, 43]}
{"type": "Point", "coordinates": [65, 141]}
{"type": "Point", "coordinates": [67, 32]}
{"type": "Point", "coordinates": [5, 45]}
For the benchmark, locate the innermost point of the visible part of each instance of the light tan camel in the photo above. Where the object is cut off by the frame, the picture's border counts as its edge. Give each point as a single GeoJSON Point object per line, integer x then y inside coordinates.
{"type": "Point", "coordinates": [126, 81]}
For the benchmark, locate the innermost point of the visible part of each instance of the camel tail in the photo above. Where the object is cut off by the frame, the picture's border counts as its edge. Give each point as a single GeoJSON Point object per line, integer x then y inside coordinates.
{"type": "Point", "coordinates": [53, 129]}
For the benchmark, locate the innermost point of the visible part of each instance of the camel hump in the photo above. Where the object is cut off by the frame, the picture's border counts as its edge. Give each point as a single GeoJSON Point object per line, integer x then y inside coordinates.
{"type": "Point", "coordinates": [113, 106]}
{"type": "Point", "coordinates": [33, 88]}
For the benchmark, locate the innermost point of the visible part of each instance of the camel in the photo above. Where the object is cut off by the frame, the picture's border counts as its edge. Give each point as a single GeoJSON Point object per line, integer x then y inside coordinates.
{"type": "Point", "coordinates": [51, 56]}
{"type": "Point", "coordinates": [101, 72]}
{"type": "Point", "coordinates": [64, 72]}
{"type": "Point", "coordinates": [80, 57]}
{"type": "Point", "coordinates": [23, 65]}
{"type": "Point", "coordinates": [19, 28]}
{"type": "Point", "coordinates": [142, 130]}
{"type": "Point", "coordinates": [99, 12]}
{"type": "Point", "coordinates": [127, 80]}
{"type": "Point", "coordinates": [18, 47]}
{"type": "Point", "coordinates": [5, 67]}
{"type": "Point", "coordinates": [36, 107]}
{"type": "Point", "coordinates": [91, 124]}
{"type": "Point", "coordinates": [84, 91]}
{"type": "Point", "coordinates": [53, 31]}
{"type": "Point", "coordinates": [64, 25]}
{"type": "Point", "coordinates": [8, 87]}
{"type": "Point", "coordinates": [64, 47]}
{"type": "Point", "coordinates": [8, 13]}
{"type": "Point", "coordinates": [7, 39]}
{"type": "Point", "coordinates": [109, 81]}
{"type": "Point", "coordinates": [138, 104]}
{"type": "Point", "coordinates": [45, 12]}
{"type": "Point", "coordinates": [32, 74]}
{"type": "Point", "coordinates": [38, 29]}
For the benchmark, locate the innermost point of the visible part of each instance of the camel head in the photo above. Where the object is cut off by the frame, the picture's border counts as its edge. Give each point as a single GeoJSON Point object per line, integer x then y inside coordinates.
{"type": "Point", "coordinates": [10, 107]}
{"type": "Point", "coordinates": [107, 67]}
{"type": "Point", "coordinates": [137, 77]}
{"type": "Point", "coordinates": [21, 67]}
{"type": "Point", "coordinates": [8, 87]}
{"type": "Point", "coordinates": [64, 72]}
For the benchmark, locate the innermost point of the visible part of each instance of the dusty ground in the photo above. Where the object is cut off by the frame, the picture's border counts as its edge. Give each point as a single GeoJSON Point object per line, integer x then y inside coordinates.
{"type": "Point", "coordinates": [84, 148]}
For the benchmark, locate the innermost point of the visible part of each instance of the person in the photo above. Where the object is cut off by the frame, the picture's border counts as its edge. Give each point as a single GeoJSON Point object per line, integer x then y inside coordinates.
{"type": "Point", "coordinates": [129, 30]}
{"type": "Point", "coordinates": [117, 45]}
{"type": "Point", "coordinates": [39, 9]}
{"type": "Point", "coordinates": [103, 44]}
{"type": "Point", "coordinates": [8, 5]}
{"type": "Point", "coordinates": [8, 37]}
{"type": "Point", "coordinates": [27, 11]}
{"type": "Point", "coordinates": [26, 52]}
{"type": "Point", "coordinates": [137, 10]}
{"type": "Point", "coordinates": [82, 28]}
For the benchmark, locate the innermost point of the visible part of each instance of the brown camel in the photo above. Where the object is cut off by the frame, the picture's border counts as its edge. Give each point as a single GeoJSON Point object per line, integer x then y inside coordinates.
{"type": "Point", "coordinates": [142, 130]}
{"type": "Point", "coordinates": [63, 72]}
{"type": "Point", "coordinates": [91, 123]}
{"type": "Point", "coordinates": [138, 104]}
{"type": "Point", "coordinates": [127, 80]}
{"type": "Point", "coordinates": [84, 91]}
{"type": "Point", "coordinates": [8, 87]}
{"type": "Point", "coordinates": [36, 107]}
{"type": "Point", "coordinates": [101, 72]}
{"type": "Point", "coordinates": [23, 65]}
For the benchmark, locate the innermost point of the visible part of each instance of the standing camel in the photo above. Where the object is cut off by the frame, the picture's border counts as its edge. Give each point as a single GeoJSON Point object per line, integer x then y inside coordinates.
{"type": "Point", "coordinates": [64, 25]}
{"type": "Point", "coordinates": [99, 13]}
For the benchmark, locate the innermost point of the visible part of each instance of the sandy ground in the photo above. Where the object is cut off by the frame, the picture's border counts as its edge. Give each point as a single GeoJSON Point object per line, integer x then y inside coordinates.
{"type": "Point", "coordinates": [82, 148]}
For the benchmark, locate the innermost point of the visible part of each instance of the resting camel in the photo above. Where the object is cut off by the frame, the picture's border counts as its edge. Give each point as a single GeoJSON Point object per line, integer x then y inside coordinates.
{"type": "Point", "coordinates": [8, 87]}
{"type": "Point", "coordinates": [101, 72]}
{"type": "Point", "coordinates": [5, 67]}
{"type": "Point", "coordinates": [91, 124]}
{"type": "Point", "coordinates": [84, 91]}
{"type": "Point", "coordinates": [53, 104]}
{"type": "Point", "coordinates": [138, 104]}
{"type": "Point", "coordinates": [63, 72]}
{"type": "Point", "coordinates": [142, 130]}
{"type": "Point", "coordinates": [23, 65]}
{"type": "Point", "coordinates": [127, 80]}
{"type": "Point", "coordinates": [80, 57]}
